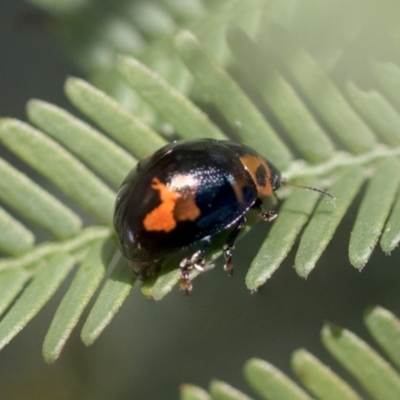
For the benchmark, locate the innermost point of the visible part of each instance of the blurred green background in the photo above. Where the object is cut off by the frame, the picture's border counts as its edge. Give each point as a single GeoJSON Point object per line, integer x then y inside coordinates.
{"type": "Point", "coordinates": [150, 348]}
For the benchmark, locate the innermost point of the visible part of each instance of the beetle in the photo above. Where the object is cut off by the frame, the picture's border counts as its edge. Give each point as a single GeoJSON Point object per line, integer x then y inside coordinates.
{"type": "Point", "coordinates": [185, 194]}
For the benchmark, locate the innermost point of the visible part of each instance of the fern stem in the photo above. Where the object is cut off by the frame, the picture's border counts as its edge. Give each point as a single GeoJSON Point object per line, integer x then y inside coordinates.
{"type": "Point", "coordinates": [300, 169]}
{"type": "Point", "coordinates": [71, 246]}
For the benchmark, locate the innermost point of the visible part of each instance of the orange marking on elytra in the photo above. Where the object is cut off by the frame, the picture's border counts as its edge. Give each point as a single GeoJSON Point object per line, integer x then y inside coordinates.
{"type": "Point", "coordinates": [186, 209]}
{"type": "Point", "coordinates": [162, 217]}
{"type": "Point", "coordinates": [174, 207]}
{"type": "Point", "coordinates": [252, 163]}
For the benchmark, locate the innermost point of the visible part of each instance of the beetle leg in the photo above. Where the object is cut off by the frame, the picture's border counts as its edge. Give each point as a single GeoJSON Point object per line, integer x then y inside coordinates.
{"type": "Point", "coordinates": [229, 245]}
{"type": "Point", "coordinates": [268, 215]}
{"type": "Point", "coordinates": [196, 260]}
{"type": "Point", "coordinates": [265, 215]}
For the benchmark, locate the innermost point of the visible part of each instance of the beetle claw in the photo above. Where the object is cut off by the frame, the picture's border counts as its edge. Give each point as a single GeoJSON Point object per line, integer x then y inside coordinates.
{"type": "Point", "coordinates": [186, 285]}
{"type": "Point", "coordinates": [228, 267]}
{"type": "Point", "coordinates": [268, 215]}
{"type": "Point", "coordinates": [228, 252]}
{"type": "Point", "coordinates": [196, 260]}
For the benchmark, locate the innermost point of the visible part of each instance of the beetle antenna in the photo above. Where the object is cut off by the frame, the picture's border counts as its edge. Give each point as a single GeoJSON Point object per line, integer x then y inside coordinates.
{"type": "Point", "coordinates": [324, 192]}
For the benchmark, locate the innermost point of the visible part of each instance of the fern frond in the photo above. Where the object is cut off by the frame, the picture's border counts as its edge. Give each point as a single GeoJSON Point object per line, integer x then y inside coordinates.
{"type": "Point", "coordinates": [94, 35]}
{"type": "Point", "coordinates": [81, 167]}
{"type": "Point", "coordinates": [374, 374]}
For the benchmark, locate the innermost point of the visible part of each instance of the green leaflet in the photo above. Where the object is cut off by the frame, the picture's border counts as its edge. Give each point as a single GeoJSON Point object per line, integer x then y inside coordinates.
{"type": "Point", "coordinates": [15, 238]}
{"type": "Point", "coordinates": [191, 392]}
{"type": "Point", "coordinates": [222, 391]}
{"type": "Point", "coordinates": [82, 288]}
{"type": "Point", "coordinates": [370, 218]}
{"type": "Point", "coordinates": [112, 295]}
{"type": "Point", "coordinates": [385, 329]}
{"type": "Point", "coordinates": [42, 209]}
{"type": "Point", "coordinates": [11, 283]}
{"type": "Point", "coordinates": [320, 379]}
{"type": "Point", "coordinates": [48, 278]}
{"type": "Point", "coordinates": [101, 154]}
{"type": "Point", "coordinates": [270, 383]}
{"type": "Point", "coordinates": [293, 215]}
{"type": "Point", "coordinates": [59, 166]}
{"type": "Point", "coordinates": [281, 97]}
{"type": "Point", "coordinates": [326, 219]}
{"type": "Point", "coordinates": [376, 376]}
{"type": "Point", "coordinates": [186, 118]}
{"type": "Point", "coordinates": [378, 112]}
{"type": "Point", "coordinates": [371, 370]}
{"type": "Point", "coordinates": [119, 123]}
{"type": "Point", "coordinates": [331, 105]}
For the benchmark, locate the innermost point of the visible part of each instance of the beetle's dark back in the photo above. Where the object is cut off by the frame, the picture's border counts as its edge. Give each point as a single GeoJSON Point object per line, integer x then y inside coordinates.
{"type": "Point", "coordinates": [183, 193]}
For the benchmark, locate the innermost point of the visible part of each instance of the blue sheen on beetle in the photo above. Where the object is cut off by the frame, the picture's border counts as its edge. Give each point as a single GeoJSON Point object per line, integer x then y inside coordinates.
{"type": "Point", "coordinates": [184, 195]}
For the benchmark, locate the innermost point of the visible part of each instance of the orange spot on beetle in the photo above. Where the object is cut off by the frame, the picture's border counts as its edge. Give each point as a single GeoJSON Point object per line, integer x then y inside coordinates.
{"type": "Point", "coordinates": [186, 208]}
{"type": "Point", "coordinates": [254, 164]}
{"type": "Point", "coordinates": [174, 207]}
{"type": "Point", "coordinates": [162, 217]}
